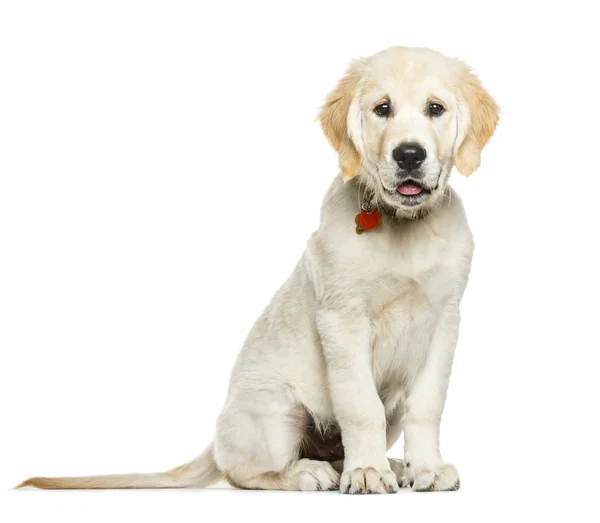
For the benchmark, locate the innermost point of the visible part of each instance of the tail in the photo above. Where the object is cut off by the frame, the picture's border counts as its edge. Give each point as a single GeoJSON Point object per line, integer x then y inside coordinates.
{"type": "Point", "coordinates": [201, 472]}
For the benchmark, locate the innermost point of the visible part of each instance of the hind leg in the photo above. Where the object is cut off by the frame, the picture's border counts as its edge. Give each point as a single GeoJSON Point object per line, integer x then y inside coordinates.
{"type": "Point", "coordinates": [258, 441]}
{"type": "Point", "coordinates": [303, 474]}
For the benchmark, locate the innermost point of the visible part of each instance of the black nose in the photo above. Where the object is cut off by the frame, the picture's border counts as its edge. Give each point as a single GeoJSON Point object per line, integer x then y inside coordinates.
{"type": "Point", "coordinates": [409, 156]}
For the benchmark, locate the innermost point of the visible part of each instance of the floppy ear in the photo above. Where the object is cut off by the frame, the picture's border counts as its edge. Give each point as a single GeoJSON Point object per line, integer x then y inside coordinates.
{"type": "Point", "coordinates": [483, 118]}
{"type": "Point", "coordinates": [340, 121]}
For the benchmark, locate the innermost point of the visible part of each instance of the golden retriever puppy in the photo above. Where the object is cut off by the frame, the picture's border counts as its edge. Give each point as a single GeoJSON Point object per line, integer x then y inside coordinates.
{"type": "Point", "coordinates": [357, 345]}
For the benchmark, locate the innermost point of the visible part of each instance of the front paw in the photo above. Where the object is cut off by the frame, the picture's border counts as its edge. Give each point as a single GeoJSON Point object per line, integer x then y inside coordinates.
{"type": "Point", "coordinates": [422, 479]}
{"type": "Point", "coordinates": [368, 481]}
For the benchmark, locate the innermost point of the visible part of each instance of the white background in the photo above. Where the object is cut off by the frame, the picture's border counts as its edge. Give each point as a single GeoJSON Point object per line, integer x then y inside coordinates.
{"type": "Point", "coordinates": [160, 171]}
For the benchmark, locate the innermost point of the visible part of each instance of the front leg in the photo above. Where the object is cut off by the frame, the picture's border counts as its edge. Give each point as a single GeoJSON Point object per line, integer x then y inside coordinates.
{"type": "Point", "coordinates": [424, 467]}
{"type": "Point", "coordinates": [346, 339]}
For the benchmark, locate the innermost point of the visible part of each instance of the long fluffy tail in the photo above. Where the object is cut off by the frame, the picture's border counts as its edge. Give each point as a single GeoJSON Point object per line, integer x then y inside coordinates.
{"type": "Point", "coordinates": [198, 473]}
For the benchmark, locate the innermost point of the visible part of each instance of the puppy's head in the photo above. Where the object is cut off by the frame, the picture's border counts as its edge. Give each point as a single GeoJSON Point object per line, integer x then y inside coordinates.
{"type": "Point", "coordinates": [402, 118]}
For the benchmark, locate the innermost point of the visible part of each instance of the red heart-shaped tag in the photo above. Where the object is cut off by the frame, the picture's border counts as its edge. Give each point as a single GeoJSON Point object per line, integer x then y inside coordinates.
{"type": "Point", "coordinates": [367, 220]}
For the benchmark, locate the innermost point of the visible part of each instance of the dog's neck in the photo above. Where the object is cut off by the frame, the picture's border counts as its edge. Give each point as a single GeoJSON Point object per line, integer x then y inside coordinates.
{"type": "Point", "coordinates": [369, 202]}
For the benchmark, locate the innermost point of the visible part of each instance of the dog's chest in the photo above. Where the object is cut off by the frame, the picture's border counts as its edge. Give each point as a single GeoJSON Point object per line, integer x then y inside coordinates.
{"type": "Point", "coordinates": [405, 295]}
{"type": "Point", "coordinates": [403, 320]}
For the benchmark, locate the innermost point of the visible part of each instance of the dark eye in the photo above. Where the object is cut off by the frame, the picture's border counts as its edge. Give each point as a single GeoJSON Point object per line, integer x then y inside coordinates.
{"type": "Point", "coordinates": [383, 109]}
{"type": "Point", "coordinates": [434, 109]}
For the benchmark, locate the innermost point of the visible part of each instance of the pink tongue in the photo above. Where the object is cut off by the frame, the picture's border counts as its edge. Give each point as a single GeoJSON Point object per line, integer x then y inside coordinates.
{"type": "Point", "coordinates": [409, 189]}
